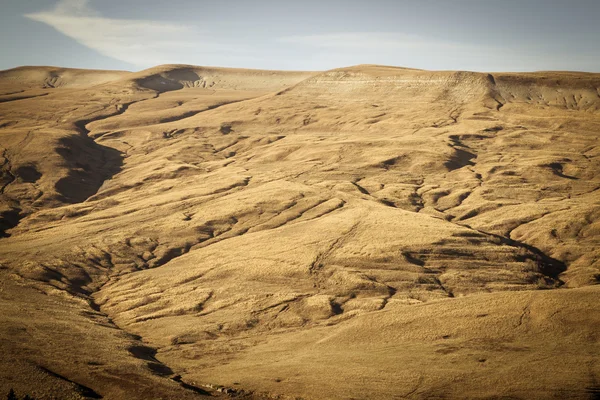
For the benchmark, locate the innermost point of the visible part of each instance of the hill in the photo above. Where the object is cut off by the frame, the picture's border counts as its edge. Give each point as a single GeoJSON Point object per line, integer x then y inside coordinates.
{"type": "Point", "coordinates": [365, 232]}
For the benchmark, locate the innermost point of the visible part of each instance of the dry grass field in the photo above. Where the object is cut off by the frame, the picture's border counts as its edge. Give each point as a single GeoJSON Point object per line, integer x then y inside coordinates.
{"type": "Point", "coordinates": [367, 232]}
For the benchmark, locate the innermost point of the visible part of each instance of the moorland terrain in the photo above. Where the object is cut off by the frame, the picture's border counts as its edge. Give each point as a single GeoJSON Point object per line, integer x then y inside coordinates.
{"type": "Point", "coordinates": [362, 233]}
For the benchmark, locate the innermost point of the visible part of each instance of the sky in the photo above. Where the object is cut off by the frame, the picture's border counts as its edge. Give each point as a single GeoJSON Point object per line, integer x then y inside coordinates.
{"type": "Point", "coordinates": [474, 35]}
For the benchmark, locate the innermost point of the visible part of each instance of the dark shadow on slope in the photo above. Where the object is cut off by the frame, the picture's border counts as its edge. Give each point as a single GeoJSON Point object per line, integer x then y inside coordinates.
{"type": "Point", "coordinates": [551, 267]}
{"type": "Point", "coordinates": [408, 256]}
{"type": "Point", "coordinates": [82, 390]}
{"type": "Point", "coordinates": [594, 392]}
{"type": "Point", "coordinates": [169, 81]}
{"type": "Point", "coordinates": [187, 386]}
{"type": "Point", "coordinates": [183, 74]}
{"type": "Point", "coordinates": [174, 118]}
{"type": "Point", "coordinates": [557, 169]}
{"type": "Point", "coordinates": [460, 158]}
{"type": "Point", "coordinates": [11, 215]}
{"type": "Point", "coordinates": [148, 354]}
{"type": "Point", "coordinates": [81, 125]}
{"type": "Point", "coordinates": [89, 165]}
{"type": "Point", "coordinates": [28, 173]}
{"type": "Point", "coordinates": [9, 219]}
{"type": "Point", "coordinates": [16, 98]}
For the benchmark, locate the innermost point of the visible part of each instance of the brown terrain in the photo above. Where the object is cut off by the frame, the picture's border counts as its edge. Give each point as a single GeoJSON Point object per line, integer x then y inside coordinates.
{"type": "Point", "coordinates": [362, 233]}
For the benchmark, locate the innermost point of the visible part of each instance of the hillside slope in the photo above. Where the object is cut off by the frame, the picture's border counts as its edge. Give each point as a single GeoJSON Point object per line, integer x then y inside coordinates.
{"type": "Point", "coordinates": [365, 232]}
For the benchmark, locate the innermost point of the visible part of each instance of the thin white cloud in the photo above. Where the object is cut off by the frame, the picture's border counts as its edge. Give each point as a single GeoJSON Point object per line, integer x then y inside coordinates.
{"type": "Point", "coordinates": [397, 48]}
{"type": "Point", "coordinates": [142, 43]}
{"type": "Point", "coordinates": [372, 41]}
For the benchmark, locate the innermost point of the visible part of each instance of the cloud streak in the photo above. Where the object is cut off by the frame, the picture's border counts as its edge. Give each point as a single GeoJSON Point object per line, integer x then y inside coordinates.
{"type": "Point", "coordinates": [372, 41]}
{"type": "Point", "coordinates": [414, 50]}
{"type": "Point", "coordinates": [142, 43]}
{"type": "Point", "coordinates": [397, 48]}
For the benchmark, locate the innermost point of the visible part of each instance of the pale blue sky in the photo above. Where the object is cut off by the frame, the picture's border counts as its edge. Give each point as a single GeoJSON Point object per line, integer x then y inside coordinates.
{"type": "Point", "coordinates": [477, 35]}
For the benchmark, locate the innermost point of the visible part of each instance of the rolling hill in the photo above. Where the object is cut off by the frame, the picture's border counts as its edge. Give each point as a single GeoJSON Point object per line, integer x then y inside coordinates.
{"type": "Point", "coordinates": [365, 232]}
